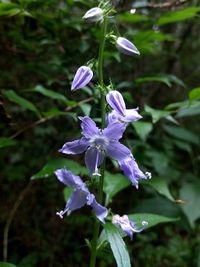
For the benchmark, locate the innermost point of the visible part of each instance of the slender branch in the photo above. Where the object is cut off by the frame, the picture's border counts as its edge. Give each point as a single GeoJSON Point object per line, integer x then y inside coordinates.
{"type": "Point", "coordinates": [42, 120]}
{"type": "Point", "coordinates": [10, 218]}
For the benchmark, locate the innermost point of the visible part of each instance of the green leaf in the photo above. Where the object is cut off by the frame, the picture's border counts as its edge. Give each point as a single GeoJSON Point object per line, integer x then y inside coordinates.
{"type": "Point", "coordinates": [9, 9]}
{"type": "Point", "coordinates": [113, 184]}
{"type": "Point", "coordinates": [142, 129]}
{"type": "Point", "coordinates": [117, 245]}
{"type": "Point", "coordinates": [6, 264]}
{"type": "Point", "coordinates": [160, 185]}
{"type": "Point", "coordinates": [86, 108]}
{"type": "Point", "coordinates": [180, 15]}
{"type": "Point", "coordinates": [194, 94]}
{"type": "Point", "coordinates": [12, 96]}
{"type": "Point", "coordinates": [5, 141]}
{"type": "Point", "coordinates": [167, 79]}
{"type": "Point", "coordinates": [152, 219]}
{"type": "Point", "coordinates": [156, 114]}
{"type": "Point", "coordinates": [189, 111]}
{"type": "Point", "coordinates": [183, 134]}
{"type": "Point", "coordinates": [51, 94]}
{"type": "Point", "coordinates": [190, 193]}
{"type": "Point", "coordinates": [132, 18]}
{"type": "Point", "coordinates": [53, 164]}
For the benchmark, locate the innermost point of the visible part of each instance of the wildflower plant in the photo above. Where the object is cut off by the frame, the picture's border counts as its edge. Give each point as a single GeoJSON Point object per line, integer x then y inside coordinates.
{"type": "Point", "coordinates": [97, 143]}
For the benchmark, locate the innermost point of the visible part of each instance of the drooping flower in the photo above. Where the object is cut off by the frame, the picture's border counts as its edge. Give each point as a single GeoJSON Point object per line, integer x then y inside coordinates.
{"type": "Point", "coordinates": [126, 47]}
{"type": "Point", "coordinates": [130, 168]}
{"type": "Point", "coordinates": [82, 77]}
{"type": "Point", "coordinates": [120, 113]}
{"type": "Point", "coordinates": [80, 196]}
{"type": "Point", "coordinates": [97, 143]}
{"type": "Point", "coordinates": [129, 227]}
{"type": "Point", "coordinates": [94, 14]}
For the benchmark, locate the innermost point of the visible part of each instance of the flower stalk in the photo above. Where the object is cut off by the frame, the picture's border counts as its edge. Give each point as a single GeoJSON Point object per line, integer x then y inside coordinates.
{"type": "Point", "coordinates": [103, 114]}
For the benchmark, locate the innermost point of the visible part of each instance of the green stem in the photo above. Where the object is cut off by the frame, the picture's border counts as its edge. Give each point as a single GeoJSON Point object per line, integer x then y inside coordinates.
{"type": "Point", "coordinates": [103, 113]}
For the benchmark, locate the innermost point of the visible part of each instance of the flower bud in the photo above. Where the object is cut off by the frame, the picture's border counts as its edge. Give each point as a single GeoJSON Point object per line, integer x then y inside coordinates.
{"type": "Point", "coordinates": [94, 14]}
{"type": "Point", "coordinates": [82, 77]}
{"type": "Point", "coordinates": [126, 47]}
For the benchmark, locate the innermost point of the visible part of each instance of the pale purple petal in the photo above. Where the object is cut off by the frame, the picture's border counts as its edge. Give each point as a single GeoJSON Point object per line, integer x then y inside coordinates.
{"type": "Point", "coordinates": [75, 147]}
{"type": "Point", "coordinates": [126, 47]}
{"type": "Point", "coordinates": [77, 200]}
{"type": "Point", "coordinates": [82, 77]}
{"type": "Point", "coordinates": [89, 127]}
{"type": "Point", "coordinates": [100, 211]}
{"type": "Point", "coordinates": [117, 151]}
{"type": "Point", "coordinates": [132, 171]}
{"type": "Point", "coordinates": [132, 115]}
{"type": "Point", "coordinates": [94, 14]}
{"type": "Point", "coordinates": [114, 131]}
{"type": "Point", "coordinates": [112, 117]}
{"type": "Point", "coordinates": [68, 178]}
{"type": "Point", "coordinates": [93, 158]}
{"type": "Point", "coordinates": [116, 101]}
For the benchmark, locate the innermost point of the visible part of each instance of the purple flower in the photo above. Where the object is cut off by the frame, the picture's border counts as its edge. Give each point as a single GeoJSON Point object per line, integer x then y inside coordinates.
{"type": "Point", "coordinates": [131, 170]}
{"type": "Point", "coordinates": [126, 47]}
{"type": "Point", "coordinates": [94, 14]}
{"type": "Point", "coordinates": [120, 113]}
{"type": "Point", "coordinates": [96, 143]}
{"type": "Point", "coordinates": [82, 77]}
{"type": "Point", "coordinates": [80, 196]}
{"type": "Point", "coordinates": [126, 225]}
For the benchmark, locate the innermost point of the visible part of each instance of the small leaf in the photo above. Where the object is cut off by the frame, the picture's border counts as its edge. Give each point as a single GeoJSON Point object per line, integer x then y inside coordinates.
{"type": "Point", "coordinates": [49, 93]}
{"type": "Point", "coordinates": [86, 108]}
{"type": "Point", "coordinates": [189, 111]}
{"type": "Point", "coordinates": [12, 96]}
{"type": "Point", "coordinates": [156, 114]}
{"type": "Point", "coordinates": [183, 134]}
{"type": "Point", "coordinates": [180, 15]}
{"type": "Point", "coordinates": [132, 18]}
{"type": "Point", "coordinates": [6, 264]}
{"type": "Point", "coordinates": [142, 129]}
{"type": "Point", "coordinates": [160, 185]}
{"type": "Point", "coordinates": [53, 164]}
{"type": "Point", "coordinates": [152, 219]}
{"type": "Point", "coordinates": [194, 94]}
{"type": "Point", "coordinates": [9, 9]}
{"type": "Point", "coordinates": [5, 141]}
{"type": "Point", "coordinates": [117, 245]}
{"type": "Point", "coordinates": [113, 184]}
{"type": "Point", "coordinates": [190, 193]}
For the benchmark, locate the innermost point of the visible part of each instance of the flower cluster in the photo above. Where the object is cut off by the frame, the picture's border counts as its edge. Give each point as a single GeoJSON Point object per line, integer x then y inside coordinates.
{"type": "Point", "coordinates": [97, 143]}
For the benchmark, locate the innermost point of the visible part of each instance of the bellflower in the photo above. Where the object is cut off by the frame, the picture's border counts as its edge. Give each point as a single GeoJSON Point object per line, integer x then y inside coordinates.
{"type": "Point", "coordinates": [97, 143]}
{"type": "Point", "coordinates": [82, 77]}
{"type": "Point", "coordinates": [129, 227]}
{"type": "Point", "coordinates": [80, 196]}
{"type": "Point", "coordinates": [94, 14]}
{"type": "Point", "coordinates": [130, 168]}
{"type": "Point", "coordinates": [120, 113]}
{"type": "Point", "coordinates": [126, 47]}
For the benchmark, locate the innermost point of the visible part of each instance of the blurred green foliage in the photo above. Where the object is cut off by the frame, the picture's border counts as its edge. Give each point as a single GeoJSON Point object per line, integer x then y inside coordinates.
{"type": "Point", "coordinates": [42, 45]}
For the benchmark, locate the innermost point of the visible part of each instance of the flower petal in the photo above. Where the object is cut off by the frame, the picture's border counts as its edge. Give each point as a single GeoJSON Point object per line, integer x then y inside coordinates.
{"type": "Point", "coordinates": [126, 47]}
{"type": "Point", "coordinates": [75, 147]}
{"type": "Point", "coordinates": [68, 178]}
{"type": "Point", "coordinates": [77, 200]}
{"type": "Point", "coordinates": [82, 77]}
{"type": "Point", "coordinates": [89, 127]}
{"type": "Point", "coordinates": [132, 115]}
{"type": "Point", "coordinates": [94, 14]}
{"type": "Point", "coordinates": [132, 171]}
{"type": "Point", "coordinates": [116, 101]}
{"type": "Point", "coordinates": [100, 211]}
{"type": "Point", "coordinates": [93, 158]}
{"type": "Point", "coordinates": [114, 131]}
{"type": "Point", "coordinates": [117, 151]}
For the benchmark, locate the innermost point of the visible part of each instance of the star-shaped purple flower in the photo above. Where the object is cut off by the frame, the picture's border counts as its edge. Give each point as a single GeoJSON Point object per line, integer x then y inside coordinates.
{"type": "Point", "coordinates": [120, 113]}
{"type": "Point", "coordinates": [129, 227]}
{"type": "Point", "coordinates": [80, 196]}
{"type": "Point", "coordinates": [97, 143]}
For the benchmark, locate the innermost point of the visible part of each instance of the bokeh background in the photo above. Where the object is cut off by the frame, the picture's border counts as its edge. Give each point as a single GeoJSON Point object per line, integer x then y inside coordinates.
{"type": "Point", "coordinates": [42, 45]}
